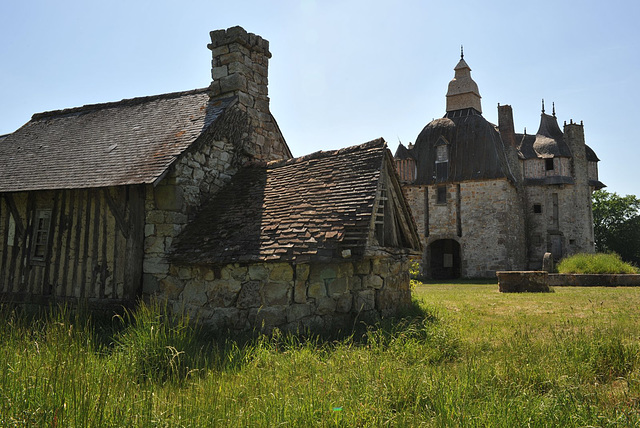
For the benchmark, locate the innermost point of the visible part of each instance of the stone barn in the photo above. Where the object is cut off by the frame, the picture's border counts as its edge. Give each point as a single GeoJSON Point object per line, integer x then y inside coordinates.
{"type": "Point", "coordinates": [486, 198]}
{"type": "Point", "coordinates": [95, 201]}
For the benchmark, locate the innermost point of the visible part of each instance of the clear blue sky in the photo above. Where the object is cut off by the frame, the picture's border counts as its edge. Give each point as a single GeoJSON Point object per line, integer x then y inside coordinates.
{"type": "Point", "coordinates": [343, 72]}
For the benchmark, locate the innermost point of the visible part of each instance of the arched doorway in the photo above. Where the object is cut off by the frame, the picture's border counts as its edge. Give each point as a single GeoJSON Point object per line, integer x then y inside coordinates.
{"type": "Point", "coordinates": [444, 259]}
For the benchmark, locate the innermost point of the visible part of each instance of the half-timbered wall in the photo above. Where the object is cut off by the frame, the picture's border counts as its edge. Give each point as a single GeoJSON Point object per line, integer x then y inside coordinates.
{"type": "Point", "coordinates": [93, 241]}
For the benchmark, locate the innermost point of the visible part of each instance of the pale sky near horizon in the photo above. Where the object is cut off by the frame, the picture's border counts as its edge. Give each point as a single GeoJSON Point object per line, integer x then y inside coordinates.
{"type": "Point", "coordinates": [343, 72]}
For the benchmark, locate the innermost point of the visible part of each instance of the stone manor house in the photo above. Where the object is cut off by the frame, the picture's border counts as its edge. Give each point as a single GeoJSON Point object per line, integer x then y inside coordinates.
{"type": "Point", "coordinates": [486, 198]}
{"type": "Point", "coordinates": [194, 197]}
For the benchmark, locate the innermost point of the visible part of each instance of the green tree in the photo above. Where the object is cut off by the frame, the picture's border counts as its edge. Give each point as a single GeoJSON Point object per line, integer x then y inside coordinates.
{"type": "Point", "coordinates": [617, 224]}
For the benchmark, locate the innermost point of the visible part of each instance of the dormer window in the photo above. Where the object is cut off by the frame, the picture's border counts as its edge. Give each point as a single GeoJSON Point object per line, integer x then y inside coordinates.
{"type": "Point", "coordinates": [442, 159]}
{"type": "Point", "coordinates": [548, 164]}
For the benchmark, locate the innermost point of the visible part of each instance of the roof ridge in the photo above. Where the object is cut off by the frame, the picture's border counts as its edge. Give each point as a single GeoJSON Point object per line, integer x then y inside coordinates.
{"type": "Point", "coordinates": [378, 142]}
{"type": "Point", "coordinates": [123, 102]}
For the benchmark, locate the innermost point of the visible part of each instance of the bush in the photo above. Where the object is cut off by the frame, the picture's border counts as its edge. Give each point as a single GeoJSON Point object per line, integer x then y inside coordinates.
{"type": "Point", "coordinates": [596, 264]}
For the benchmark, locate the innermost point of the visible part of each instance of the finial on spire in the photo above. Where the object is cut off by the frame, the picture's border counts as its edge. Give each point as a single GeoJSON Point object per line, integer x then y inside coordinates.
{"type": "Point", "coordinates": [554, 109]}
{"type": "Point", "coordinates": [461, 52]}
{"type": "Point", "coordinates": [543, 106]}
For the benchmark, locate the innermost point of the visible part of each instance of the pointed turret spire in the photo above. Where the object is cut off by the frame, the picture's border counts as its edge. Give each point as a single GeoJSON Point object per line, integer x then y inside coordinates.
{"type": "Point", "coordinates": [463, 91]}
{"type": "Point", "coordinates": [554, 109]}
{"type": "Point", "coordinates": [543, 106]}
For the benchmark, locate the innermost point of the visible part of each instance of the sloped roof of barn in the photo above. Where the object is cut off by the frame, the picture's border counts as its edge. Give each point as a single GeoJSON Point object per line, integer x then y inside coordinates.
{"type": "Point", "coordinates": [132, 141]}
{"type": "Point", "coordinates": [305, 209]}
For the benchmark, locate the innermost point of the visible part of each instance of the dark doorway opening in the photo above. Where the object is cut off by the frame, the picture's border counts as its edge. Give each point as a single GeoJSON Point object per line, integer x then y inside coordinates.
{"type": "Point", "coordinates": [444, 260]}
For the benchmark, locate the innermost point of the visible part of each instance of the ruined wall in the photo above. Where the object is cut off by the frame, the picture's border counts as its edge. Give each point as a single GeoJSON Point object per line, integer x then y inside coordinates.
{"type": "Point", "coordinates": [290, 296]}
{"type": "Point", "coordinates": [92, 248]}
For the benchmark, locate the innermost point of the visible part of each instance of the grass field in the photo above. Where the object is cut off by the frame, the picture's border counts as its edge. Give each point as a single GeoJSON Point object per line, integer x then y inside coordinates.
{"type": "Point", "coordinates": [471, 356]}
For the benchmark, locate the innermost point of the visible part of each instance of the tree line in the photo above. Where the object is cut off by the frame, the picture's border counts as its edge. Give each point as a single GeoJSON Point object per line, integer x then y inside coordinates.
{"type": "Point", "coordinates": [616, 221]}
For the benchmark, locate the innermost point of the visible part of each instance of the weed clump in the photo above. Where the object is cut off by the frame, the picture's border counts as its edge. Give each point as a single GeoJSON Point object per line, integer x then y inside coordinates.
{"type": "Point", "coordinates": [596, 264]}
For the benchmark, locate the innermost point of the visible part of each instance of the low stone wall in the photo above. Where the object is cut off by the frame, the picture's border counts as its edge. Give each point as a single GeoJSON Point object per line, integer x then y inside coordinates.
{"type": "Point", "coordinates": [293, 297]}
{"type": "Point", "coordinates": [523, 281]}
{"type": "Point", "coordinates": [578, 280]}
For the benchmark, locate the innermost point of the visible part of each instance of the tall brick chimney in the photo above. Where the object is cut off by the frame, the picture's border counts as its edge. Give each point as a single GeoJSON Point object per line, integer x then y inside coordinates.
{"type": "Point", "coordinates": [240, 67]}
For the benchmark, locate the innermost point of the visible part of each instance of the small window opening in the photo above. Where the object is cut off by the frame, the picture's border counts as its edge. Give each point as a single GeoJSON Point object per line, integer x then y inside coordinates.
{"type": "Point", "coordinates": [41, 234]}
{"type": "Point", "coordinates": [537, 208]}
{"type": "Point", "coordinates": [548, 164]}
{"type": "Point", "coordinates": [442, 195]}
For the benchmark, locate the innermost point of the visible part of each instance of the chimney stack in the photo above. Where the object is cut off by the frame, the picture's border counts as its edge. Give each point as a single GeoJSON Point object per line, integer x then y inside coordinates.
{"type": "Point", "coordinates": [240, 67]}
{"type": "Point", "coordinates": [505, 125]}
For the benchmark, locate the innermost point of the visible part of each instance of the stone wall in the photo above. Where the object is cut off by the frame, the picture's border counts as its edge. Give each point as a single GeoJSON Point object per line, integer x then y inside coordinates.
{"type": "Point", "coordinates": [290, 296]}
{"type": "Point", "coordinates": [485, 217]}
{"type": "Point", "coordinates": [492, 228]}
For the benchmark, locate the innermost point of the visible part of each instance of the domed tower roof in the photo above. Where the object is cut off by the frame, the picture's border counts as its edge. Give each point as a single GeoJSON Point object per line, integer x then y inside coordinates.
{"type": "Point", "coordinates": [473, 150]}
{"type": "Point", "coordinates": [463, 92]}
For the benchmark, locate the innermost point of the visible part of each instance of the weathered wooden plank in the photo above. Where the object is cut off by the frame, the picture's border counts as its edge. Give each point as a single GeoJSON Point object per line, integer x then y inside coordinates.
{"type": "Point", "coordinates": [95, 257]}
{"type": "Point", "coordinates": [25, 262]}
{"type": "Point", "coordinates": [13, 209]}
{"type": "Point", "coordinates": [117, 214]}
{"type": "Point", "coordinates": [76, 249]}
{"type": "Point", "coordinates": [44, 282]}
{"type": "Point", "coordinates": [85, 245]}
{"type": "Point", "coordinates": [105, 258]}
{"type": "Point", "coordinates": [67, 251]}
{"type": "Point", "coordinates": [57, 248]}
{"type": "Point", "coordinates": [5, 245]}
{"type": "Point", "coordinates": [135, 242]}
{"type": "Point", "coordinates": [116, 262]}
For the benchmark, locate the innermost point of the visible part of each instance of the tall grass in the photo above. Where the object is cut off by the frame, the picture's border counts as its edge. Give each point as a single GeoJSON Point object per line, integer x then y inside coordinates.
{"type": "Point", "coordinates": [441, 367]}
{"type": "Point", "coordinates": [600, 263]}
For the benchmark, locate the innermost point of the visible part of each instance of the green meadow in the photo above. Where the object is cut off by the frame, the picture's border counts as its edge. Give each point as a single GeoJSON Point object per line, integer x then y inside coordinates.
{"type": "Point", "coordinates": [465, 355]}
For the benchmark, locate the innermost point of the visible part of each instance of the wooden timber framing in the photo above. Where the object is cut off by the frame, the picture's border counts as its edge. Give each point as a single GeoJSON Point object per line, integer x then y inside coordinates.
{"type": "Point", "coordinates": [94, 249]}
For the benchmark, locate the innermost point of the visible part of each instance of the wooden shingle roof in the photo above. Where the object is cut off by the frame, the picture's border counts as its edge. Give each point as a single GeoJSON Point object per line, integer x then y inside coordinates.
{"type": "Point", "coordinates": [304, 209]}
{"type": "Point", "coordinates": [127, 142]}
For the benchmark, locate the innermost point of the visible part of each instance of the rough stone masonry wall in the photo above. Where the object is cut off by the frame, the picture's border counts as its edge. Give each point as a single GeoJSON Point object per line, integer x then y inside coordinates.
{"type": "Point", "coordinates": [292, 297]}
{"type": "Point", "coordinates": [197, 175]}
{"type": "Point", "coordinates": [491, 223]}
{"type": "Point", "coordinates": [493, 236]}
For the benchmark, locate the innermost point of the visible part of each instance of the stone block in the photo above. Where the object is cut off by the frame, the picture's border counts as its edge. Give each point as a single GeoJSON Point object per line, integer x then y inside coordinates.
{"type": "Point", "coordinates": [169, 198]}
{"type": "Point", "coordinates": [325, 305]}
{"type": "Point", "coordinates": [281, 272]}
{"type": "Point", "coordinates": [317, 290]}
{"type": "Point", "coordinates": [344, 303]}
{"type": "Point", "coordinates": [299, 311]}
{"type": "Point", "coordinates": [219, 72]}
{"type": "Point", "coordinates": [258, 272]}
{"type": "Point", "coordinates": [249, 296]}
{"type": "Point", "coordinates": [364, 300]}
{"type": "Point", "coordinates": [302, 272]}
{"type": "Point", "coordinates": [149, 229]}
{"type": "Point", "coordinates": [185, 273]}
{"type": "Point", "coordinates": [233, 82]}
{"type": "Point", "coordinates": [155, 265]}
{"type": "Point", "coordinates": [300, 292]}
{"type": "Point", "coordinates": [154, 244]}
{"type": "Point", "coordinates": [268, 318]}
{"type": "Point", "coordinates": [523, 281]}
{"type": "Point", "coordinates": [362, 267]}
{"type": "Point", "coordinates": [372, 281]}
{"type": "Point", "coordinates": [149, 284]}
{"type": "Point", "coordinates": [154, 217]}
{"type": "Point", "coordinates": [194, 294]}
{"type": "Point", "coordinates": [276, 293]}
{"type": "Point", "coordinates": [223, 293]}
{"type": "Point", "coordinates": [337, 287]}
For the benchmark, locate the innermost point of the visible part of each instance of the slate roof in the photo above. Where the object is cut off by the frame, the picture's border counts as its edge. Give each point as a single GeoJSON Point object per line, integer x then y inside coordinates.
{"type": "Point", "coordinates": [127, 142]}
{"type": "Point", "coordinates": [403, 153]}
{"type": "Point", "coordinates": [476, 150]}
{"type": "Point", "coordinates": [303, 209]}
